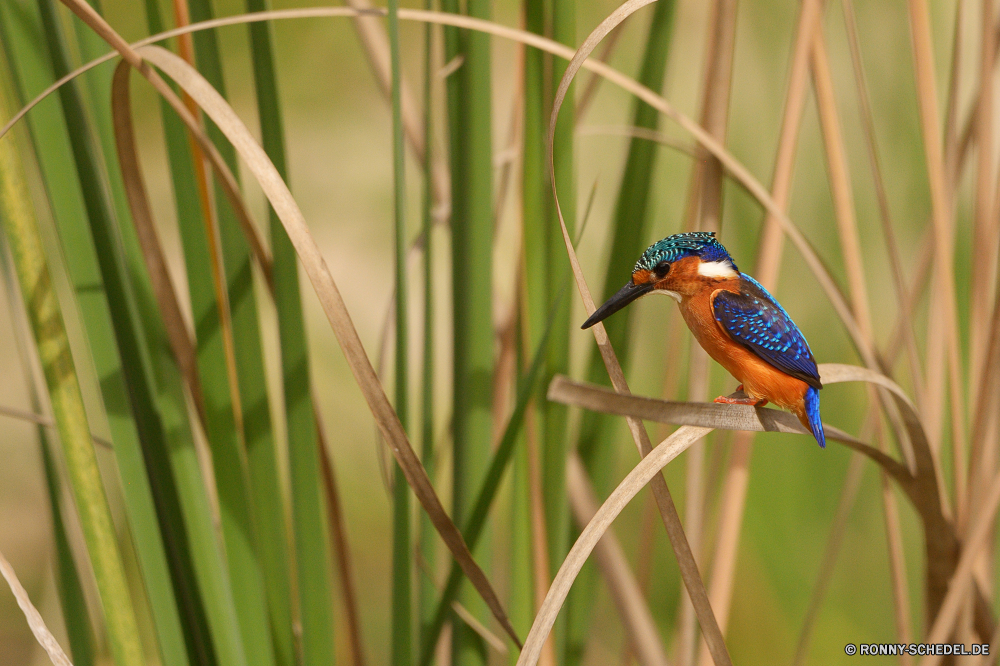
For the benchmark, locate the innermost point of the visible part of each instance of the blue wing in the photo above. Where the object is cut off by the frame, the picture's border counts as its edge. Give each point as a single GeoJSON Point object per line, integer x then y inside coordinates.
{"type": "Point", "coordinates": [755, 320]}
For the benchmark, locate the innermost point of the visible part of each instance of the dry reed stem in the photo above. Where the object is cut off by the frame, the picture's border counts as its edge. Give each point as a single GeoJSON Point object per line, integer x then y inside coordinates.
{"type": "Point", "coordinates": [984, 230]}
{"type": "Point", "coordinates": [985, 420]}
{"type": "Point", "coordinates": [285, 206]}
{"type": "Point", "coordinates": [954, 87]}
{"type": "Point", "coordinates": [704, 212]}
{"type": "Point", "coordinates": [714, 115]}
{"type": "Point", "coordinates": [338, 535]}
{"type": "Point", "coordinates": [375, 42]}
{"type": "Point", "coordinates": [840, 183]}
{"type": "Point", "coordinates": [179, 337]}
{"type": "Point", "coordinates": [505, 319]}
{"type": "Point", "coordinates": [644, 557]}
{"type": "Point", "coordinates": [539, 531]}
{"type": "Point", "coordinates": [648, 468]}
{"type": "Point", "coordinates": [732, 503]}
{"type": "Point", "coordinates": [891, 513]}
{"type": "Point", "coordinates": [727, 417]}
{"type": "Point", "coordinates": [473, 623]}
{"type": "Point", "coordinates": [942, 306]}
{"type": "Point", "coordinates": [772, 236]}
{"type": "Point", "coordinates": [686, 563]}
{"type": "Point", "coordinates": [897, 561]}
{"type": "Point", "coordinates": [882, 197]}
{"type": "Point", "coordinates": [843, 203]}
{"type": "Point", "coordinates": [539, 543]}
{"type": "Point", "coordinates": [632, 606]}
{"type": "Point", "coordinates": [34, 618]}
{"type": "Point", "coordinates": [984, 262]}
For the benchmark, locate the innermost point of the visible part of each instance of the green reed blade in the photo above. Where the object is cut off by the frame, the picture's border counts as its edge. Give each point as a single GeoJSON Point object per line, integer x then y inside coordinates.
{"type": "Point", "coordinates": [427, 534]}
{"type": "Point", "coordinates": [67, 402]}
{"type": "Point", "coordinates": [105, 319]}
{"type": "Point", "coordinates": [76, 615]}
{"type": "Point", "coordinates": [470, 126]}
{"type": "Point", "coordinates": [236, 497]}
{"type": "Point", "coordinates": [473, 528]}
{"type": "Point", "coordinates": [311, 549]}
{"type": "Point", "coordinates": [401, 558]}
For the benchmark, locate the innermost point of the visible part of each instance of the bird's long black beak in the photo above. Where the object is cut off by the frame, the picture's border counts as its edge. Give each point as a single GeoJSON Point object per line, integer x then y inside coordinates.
{"type": "Point", "coordinates": [625, 295]}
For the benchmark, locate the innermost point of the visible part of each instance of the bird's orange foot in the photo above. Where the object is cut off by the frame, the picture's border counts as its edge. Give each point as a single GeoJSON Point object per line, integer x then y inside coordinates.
{"type": "Point", "coordinates": [740, 398]}
{"type": "Point", "coordinates": [753, 402]}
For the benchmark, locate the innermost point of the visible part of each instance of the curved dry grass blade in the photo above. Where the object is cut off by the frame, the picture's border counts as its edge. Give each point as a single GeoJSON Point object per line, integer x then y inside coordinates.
{"type": "Point", "coordinates": [710, 415]}
{"type": "Point", "coordinates": [34, 618]}
{"type": "Point", "coordinates": [163, 288]}
{"type": "Point", "coordinates": [668, 511]}
{"type": "Point", "coordinates": [632, 605]}
{"type": "Point", "coordinates": [638, 133]}
{"type": "Point", "coordinates": [647, 469]}
{"type": "Point", "coordinates": [732, 165]}
{"type": "Point", "coordinates": [286, 208]}
{"type": "Point", "coordinates": [227, 180]}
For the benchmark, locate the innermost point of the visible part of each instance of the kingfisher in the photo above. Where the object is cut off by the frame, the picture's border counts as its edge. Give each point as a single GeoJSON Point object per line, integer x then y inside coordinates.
{"type": "Point", "coordinates": [734, 319]}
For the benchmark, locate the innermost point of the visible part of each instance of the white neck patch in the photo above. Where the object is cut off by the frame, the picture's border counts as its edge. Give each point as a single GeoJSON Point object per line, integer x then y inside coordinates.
{"type": "Point", "coordinates": [716, 269]}
{"type": "Point", "coordinates": [672, 294]}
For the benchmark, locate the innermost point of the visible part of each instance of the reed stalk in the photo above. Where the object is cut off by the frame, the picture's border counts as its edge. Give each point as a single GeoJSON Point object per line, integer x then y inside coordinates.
{"type": "Point", "coordinates": [52, 342]}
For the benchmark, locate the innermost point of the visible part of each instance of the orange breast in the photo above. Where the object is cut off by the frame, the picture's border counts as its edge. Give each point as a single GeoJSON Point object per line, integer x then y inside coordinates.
{"type": "Point", "coordinates": [760, 379]}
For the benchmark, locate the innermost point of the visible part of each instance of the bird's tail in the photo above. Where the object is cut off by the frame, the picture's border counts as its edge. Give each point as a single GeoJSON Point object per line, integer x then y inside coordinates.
{"type": "Point", "coordinates": [812, 413]}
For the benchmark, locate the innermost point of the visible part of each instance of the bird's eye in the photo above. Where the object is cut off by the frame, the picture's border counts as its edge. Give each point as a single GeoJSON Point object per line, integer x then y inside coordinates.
{"type": "Point", "coordinates": [662, 269]}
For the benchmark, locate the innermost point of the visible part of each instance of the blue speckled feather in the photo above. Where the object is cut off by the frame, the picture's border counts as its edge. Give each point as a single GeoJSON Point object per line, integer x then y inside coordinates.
{"type": "Point", "coordinates": [754, 319]}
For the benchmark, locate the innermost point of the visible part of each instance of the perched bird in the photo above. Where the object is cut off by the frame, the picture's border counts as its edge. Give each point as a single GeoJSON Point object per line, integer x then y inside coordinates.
{"type": "Point", "coordinates": [733, 318]}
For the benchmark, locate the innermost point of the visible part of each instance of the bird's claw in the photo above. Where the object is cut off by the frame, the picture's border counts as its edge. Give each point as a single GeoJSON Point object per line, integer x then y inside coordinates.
{"type": "Point", "coordinates": [740, 398]}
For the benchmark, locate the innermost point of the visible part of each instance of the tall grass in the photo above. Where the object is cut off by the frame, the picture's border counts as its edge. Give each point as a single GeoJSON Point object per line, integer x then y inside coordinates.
{"type": "Point", "coordinates": [205, 363]}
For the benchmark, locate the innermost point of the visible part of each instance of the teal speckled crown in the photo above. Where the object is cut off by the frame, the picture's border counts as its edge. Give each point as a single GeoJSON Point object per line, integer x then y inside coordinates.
{"type": "Point", "coordinates": [678, 246]}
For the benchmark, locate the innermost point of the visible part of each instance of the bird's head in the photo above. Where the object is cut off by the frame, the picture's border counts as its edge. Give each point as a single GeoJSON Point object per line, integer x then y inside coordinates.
{"type": "Point", "coordinates": [678, 266]}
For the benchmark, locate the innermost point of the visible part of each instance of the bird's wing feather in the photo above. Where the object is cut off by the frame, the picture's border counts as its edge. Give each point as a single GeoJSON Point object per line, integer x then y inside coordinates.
{"type": "Point", "coordinates": [755, 320]}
